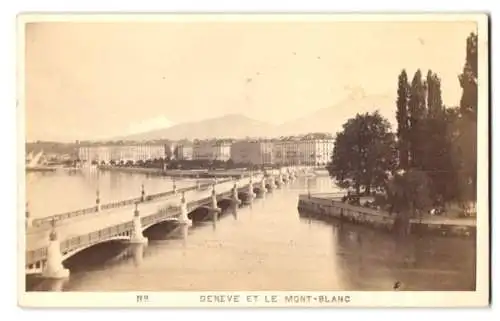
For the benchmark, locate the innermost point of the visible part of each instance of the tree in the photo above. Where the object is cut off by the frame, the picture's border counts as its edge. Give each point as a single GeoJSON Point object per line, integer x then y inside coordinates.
{"type": "Point", "coordinates": [363, 153]}
{"type": "Point", "coordinates": [402, 119]}
{"type": "Point", "coordinates": [465, 146]}
{"type": "Point", "coordinates": [408, 194]}
{"type": "Point", "coordinates": [468, 79]}
{"type": "Point", "coordinates": [417, 113]}
{"type": "Point", "coordinates": [435, 153]}
{"type": "Point", "coordinates": [434, 100]}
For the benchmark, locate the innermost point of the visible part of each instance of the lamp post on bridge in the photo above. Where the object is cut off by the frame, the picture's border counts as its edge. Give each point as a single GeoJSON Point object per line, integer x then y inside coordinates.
{"type": "Point", "coordinates": [28, 216]}
{"type": "Point", "coordinates": [97, 201]}
{"type": "Point", "coordinates": [174, 187]}
{"type": "Point", "coordinates": [143, 193]}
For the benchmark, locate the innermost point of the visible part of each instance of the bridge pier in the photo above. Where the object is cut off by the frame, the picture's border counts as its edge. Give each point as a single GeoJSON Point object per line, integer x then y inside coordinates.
{"type": "Point", "coordinates": [183, 218]}
{"type": "Point", "coordinates": [251, 194]}
{"type": "Point", "coordinates": [279, 180]}
{"type": "Point", "coordinates": [214, 209]}
{"type": "Point", "coordinates": [235, 201]}
{"type": "Point", "coordinates": [138, 253]}
{"type": "Point", "coordinates": [54, 268]}
{"type": "Point", "coordinates": [262, 189]}
{"type": "Point", "coordinates": [272, 183]}
{"type": "Point", "coordinates": [137, 236]}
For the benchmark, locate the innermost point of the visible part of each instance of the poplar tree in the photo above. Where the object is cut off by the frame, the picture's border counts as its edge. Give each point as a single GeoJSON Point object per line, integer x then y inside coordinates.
{"type": "Point", "coordinates": [417, 114]}
{"type": "Point", "coordinates": [402, 119]}
{"type": "Point", "coordinates": [466, 143]}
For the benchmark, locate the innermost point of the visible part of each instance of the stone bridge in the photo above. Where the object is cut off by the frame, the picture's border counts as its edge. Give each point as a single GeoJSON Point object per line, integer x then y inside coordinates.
{"type": "Point", "coordinates": [50, 241]}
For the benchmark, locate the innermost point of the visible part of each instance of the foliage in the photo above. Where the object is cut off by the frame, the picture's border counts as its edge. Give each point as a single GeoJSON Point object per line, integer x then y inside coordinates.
{"type": "Point", "coordinates": [468, 80]}
{"type": "Point", "coordinates": [465, 145]}
{"type": "Point", "coordinates": [408, 195]}
{"type": "Point", "coordinates": [402, 119]}
{"type": "Point", "coordinates": [363, 153]}
{"type": "Point", "coordinates": [417, 113]}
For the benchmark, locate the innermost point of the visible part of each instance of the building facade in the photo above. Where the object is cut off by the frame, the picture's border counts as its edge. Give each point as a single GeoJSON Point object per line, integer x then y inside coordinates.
{"type": "Point", "coordinates": [222, 151]}
{"type": "Point", "coordinates": [118, 153]}
{"type": "Point", "coordinates": [203, 150]}
{"type": "Point", "coordinates": [252, 152]}
{"type": "Point", "coordinates": [212, 150]}
{"type": "Point", "coordinates": [316, 152]}
{"type": "Point", "coordinates": [309, 152]}
{"type": "Point", "coordinates": [184, 152]}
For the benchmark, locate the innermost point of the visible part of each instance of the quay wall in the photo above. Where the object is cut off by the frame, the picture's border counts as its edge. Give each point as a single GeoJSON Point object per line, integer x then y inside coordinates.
{"type": "Point", "coordinates": [328, 208]}
{"type": "Point", "coordinates": [201, 174]}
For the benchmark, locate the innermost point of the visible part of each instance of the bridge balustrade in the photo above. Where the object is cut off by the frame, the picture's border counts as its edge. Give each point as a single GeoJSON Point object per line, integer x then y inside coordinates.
{"type": "Point", "coordinates": [160, 215]}
{"type": "Point", "coordinates": [47, 221]}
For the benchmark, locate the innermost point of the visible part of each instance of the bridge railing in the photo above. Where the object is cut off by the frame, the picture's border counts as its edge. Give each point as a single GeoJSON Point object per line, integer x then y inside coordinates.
{"type": "Point", "coordinates": [160, 215]}
{"type": "Point", "coordinates": [47, 221]}
{"type": "Point", "coordinates": [197, 203]}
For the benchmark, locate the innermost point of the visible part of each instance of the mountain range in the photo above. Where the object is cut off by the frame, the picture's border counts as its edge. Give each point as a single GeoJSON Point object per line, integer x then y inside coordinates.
{"type": "Point", "coordinates": [329, 120]}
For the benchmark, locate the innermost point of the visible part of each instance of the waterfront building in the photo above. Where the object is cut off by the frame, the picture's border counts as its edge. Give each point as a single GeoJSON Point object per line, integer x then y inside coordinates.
{"type": "Point", "coordinates": [222, 150]}
{"type": "Point", "coordinates": [303, 151]}
{"type": "Point", "coordinates": [316, 152]}
{"type": "Point", "coordinates": [212, 150]}
{"type": "Point", "coordinates": [203, 150]}
{"type": "Point", "coordinates": [184, 151]}
{"type": "Point", "coordinates": [117, 153]}
{"type": "Point", "coordinates": [170, 149]}
{"type": "Point", "coordinates": [252, 152]}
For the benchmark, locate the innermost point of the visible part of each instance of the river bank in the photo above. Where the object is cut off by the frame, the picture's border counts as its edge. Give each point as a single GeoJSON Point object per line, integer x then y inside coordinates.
{"type": "Point", "coordinates": [327, 207]}
{"type": "Point", "coordinates": [175, 173]}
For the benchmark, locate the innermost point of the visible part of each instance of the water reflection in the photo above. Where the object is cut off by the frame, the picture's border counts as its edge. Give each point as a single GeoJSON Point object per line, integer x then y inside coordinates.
{"type": "Point", "coordinates": [137, 253]}
{"type": "Point", "coordinates": [69, 191]}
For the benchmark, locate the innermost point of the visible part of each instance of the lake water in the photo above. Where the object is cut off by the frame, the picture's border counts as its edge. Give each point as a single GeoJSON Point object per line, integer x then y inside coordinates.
{"type": "Point", "coordinates": [268, 246]}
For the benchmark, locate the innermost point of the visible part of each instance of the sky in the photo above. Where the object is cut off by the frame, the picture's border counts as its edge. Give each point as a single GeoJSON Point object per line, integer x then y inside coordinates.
{"type": "Point", "coordinates": [91, 80]}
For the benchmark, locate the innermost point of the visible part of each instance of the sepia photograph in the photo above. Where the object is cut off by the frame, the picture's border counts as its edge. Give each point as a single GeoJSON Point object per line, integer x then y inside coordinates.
{"type": "Point", "coordinates": [253, 160]}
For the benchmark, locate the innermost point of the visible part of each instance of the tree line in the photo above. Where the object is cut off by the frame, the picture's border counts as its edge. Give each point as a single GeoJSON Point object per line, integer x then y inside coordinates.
{"type": "Point", "coordinates": [431, 158]}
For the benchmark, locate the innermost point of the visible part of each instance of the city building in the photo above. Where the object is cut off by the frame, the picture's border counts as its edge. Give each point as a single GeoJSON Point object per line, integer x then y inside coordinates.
{"type": "Point", "coordinates": [184, 151]}
{"type": "Point", "coordinates": [117, 153]}
{"type": "Point", "coordinates": [252, 152]}
{"type": "Point", "coordinates": [212, 150]}
{"type": "Point", "coordinates": [170, 151]}
{"type": "Point", "coordinates": [222, 150]}
{"type": "Point", "coordinates": [303, 151]}
{"type": "Point", "coordinates": [203, 150]}
{"type": "Point", "coordinates": [316, 152]}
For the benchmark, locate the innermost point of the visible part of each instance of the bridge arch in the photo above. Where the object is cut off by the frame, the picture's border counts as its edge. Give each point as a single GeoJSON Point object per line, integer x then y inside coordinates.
{"type": "Point", "coordinates": [199, 214]}
{"type": "Point", "coordinates": [71, 253]}
{"type": "Point", "coordinates": [224, 204]}
{"type": "Point", "coordinates": [164, 220]}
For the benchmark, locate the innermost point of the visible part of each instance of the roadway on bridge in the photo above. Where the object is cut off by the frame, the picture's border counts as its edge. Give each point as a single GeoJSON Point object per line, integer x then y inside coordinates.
{"type": "Point", "coordinates": [85, 224]}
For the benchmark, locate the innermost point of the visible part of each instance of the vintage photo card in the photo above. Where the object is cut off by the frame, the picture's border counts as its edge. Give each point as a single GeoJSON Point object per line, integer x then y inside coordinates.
{"type": "Point", "coordinates": [253, 160]}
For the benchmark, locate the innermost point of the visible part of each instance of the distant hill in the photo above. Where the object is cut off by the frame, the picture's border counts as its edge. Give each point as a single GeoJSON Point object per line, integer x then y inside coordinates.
{"type": "Point", "coordinates": [228, 126]}
{"type": "Point", "coordinates": [331, 119]}
{"type": "Point", "coordinates": [326, 120]}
